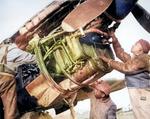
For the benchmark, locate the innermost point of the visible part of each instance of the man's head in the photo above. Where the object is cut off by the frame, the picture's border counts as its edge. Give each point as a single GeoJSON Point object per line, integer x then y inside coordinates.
{"type": "Point", "coordinates": [102, 90]}
{"type": "Point", "coordinates": [21, 42]}
{"type": "Point", "coordinates": [140, 47]}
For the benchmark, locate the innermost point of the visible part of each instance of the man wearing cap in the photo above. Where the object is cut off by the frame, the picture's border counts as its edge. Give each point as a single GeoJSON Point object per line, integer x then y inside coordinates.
{"type": "Point", "coordinates": [11, 56]}
{"type": "Point", "coordinates": [136, 70]}
{"type": "Point", "coordinates": [102, 107]}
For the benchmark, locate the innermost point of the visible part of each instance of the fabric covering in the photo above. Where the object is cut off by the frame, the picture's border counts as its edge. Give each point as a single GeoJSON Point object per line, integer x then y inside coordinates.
{"type": "Point", "coordinates": [25, 74]}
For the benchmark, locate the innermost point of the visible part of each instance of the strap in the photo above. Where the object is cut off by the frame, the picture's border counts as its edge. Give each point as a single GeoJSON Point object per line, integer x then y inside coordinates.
{"type": "Point", "coordinates": [6, 74]}
{"type": "Point", "coordinates": [4, 59]}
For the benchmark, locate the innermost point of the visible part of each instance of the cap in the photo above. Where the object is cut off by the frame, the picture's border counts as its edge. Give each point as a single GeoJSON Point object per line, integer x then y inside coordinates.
{"type": "Point", "coordinates": [145, 45]}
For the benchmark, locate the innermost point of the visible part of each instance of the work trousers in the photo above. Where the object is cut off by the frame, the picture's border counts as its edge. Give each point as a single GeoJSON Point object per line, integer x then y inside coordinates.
{"type": "Point", "coordinates": [9, 96]}
{"type": "Point", "coordinates": [140, 101]}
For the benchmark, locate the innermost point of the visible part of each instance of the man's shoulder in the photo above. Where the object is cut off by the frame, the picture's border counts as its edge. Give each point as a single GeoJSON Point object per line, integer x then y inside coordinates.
{"type": "Point", "coordinates": [143, 56]}
{"type": "Point", "coordinates": [111, 102]}
{"type": "Point", "coordinates": [4, 46]}
{"type": "Point", "coordinates": [13, 45]}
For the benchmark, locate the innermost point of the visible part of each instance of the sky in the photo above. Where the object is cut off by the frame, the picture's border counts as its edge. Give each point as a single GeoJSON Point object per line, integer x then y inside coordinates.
{"type": "Point", "coordinates": [14, 13]}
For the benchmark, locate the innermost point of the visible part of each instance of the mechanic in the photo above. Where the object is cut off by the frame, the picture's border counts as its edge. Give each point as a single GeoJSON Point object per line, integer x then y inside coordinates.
{"type": "Point", "coordinates": [136, 70]}
{"type": "Point", "coordinates": [102, 107]}
{"type": "Point", "coordinates": [11, 56]}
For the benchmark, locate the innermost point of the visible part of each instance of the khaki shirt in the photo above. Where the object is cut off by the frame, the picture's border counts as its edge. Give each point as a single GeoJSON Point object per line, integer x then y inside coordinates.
{"type": "Point", "coordinates": [16, 57]}
{"type": "Point", "coordinates": [101, 110]}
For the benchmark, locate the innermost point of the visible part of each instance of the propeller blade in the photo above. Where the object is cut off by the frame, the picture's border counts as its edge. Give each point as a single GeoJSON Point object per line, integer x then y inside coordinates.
{"type": "Point", "coordinates": [84, 13]}
{"type": "Point", "coordinates": [142, 16]}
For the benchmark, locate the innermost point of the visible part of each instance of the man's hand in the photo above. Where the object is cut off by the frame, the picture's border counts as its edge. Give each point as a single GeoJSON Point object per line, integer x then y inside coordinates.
{"type": "Point", "coordinates": [104, 59]}
{"type": "Point", "coordinates": [95, 83]}
{"type": "Point", "coordinates": [112, 35]}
